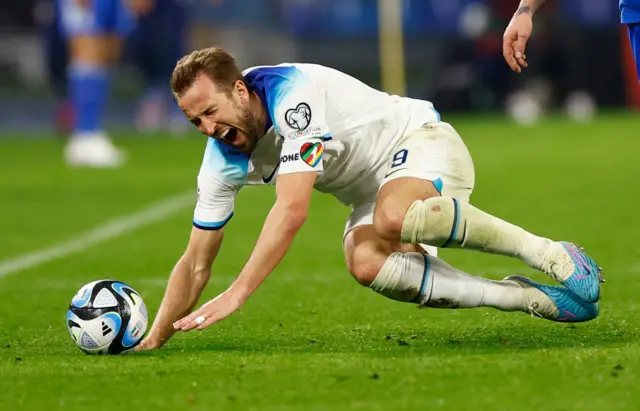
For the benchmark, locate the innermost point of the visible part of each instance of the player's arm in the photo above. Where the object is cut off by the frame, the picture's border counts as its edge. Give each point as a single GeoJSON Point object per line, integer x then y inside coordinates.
{"type": "Point", "coordinates": [517, 34]}
{"type": "Point", "coordinates": [288, 214]}
{"type": "Point", "coordinates": [214, 208]}
{"type": "Point", "coordinates": [189, 277]}
{"type": "Point", "coordinates": [300, 114]}
{"type": "Point", "coordinates": [285, 219]}
{"type": "Point", "coordinates": [300, 120]}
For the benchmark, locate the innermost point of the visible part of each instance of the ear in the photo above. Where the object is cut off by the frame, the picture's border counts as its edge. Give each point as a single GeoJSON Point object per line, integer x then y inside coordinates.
{"type": "Point", "coordinates": [242, 91]}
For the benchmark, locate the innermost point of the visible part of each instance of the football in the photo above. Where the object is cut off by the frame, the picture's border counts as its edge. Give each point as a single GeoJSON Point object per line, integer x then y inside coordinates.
{"type": "Point", "coordinates": [106, 317]}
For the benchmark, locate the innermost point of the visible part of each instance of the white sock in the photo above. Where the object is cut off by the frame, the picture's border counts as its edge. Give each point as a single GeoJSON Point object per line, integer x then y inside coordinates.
{"type": "Point", "coordinates": [429, 281]}
{"type": "Point", "coordinates": [447, 222]}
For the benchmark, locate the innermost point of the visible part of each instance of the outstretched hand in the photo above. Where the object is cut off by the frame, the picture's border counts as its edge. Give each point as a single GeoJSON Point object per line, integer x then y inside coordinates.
{"type": "Point", "coordinates": [514, 41]}
{"type": "Point", "coordinates": [213, 311]}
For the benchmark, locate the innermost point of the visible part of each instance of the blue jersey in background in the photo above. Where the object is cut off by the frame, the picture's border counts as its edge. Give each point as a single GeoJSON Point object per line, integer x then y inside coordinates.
{"type": "Point", "coordinates": [630, 11]}
{"type": "Point", "coordinates": [99, 17]}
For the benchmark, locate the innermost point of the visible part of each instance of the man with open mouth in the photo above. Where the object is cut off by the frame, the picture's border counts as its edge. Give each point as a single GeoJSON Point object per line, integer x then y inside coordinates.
{"type": "Point", "coordinates": [407, 175]}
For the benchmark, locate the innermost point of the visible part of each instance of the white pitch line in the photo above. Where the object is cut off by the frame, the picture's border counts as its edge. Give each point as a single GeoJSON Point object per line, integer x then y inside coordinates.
{"type": "Point", "coordinates": [117, 227]}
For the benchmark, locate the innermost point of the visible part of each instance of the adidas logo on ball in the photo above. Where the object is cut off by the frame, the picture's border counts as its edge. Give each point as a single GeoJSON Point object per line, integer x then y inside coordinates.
{"type": "Point", "coordinates": [105, 329]}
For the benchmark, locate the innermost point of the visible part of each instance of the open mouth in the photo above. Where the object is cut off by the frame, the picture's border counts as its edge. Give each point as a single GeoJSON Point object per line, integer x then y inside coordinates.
{"type": "Point", "coordinates": [229, 135]}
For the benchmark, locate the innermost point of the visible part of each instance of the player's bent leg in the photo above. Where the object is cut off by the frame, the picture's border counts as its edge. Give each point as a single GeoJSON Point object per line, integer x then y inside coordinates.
{"type": "Point", "coordinates": [94, 31]}
{"type": "Point", "coordinates": [415, 277]}
{"type": "Point", "coordinates": [366, 253]}
{"type": "Point", "coordinates": [447, 222]}
{"type": "Point", "coordinates": [89, 75]}
{"type": "Point", "coordinates": [432, 169]}
{"type": "Point", "coordinates": [394, 199]}
{"type": "Point", "coordinates": [428, 162]}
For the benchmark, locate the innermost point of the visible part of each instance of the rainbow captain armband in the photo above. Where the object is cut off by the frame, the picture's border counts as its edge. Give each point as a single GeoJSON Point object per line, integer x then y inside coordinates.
{"type": "Point", "coordinates": [301, 156]}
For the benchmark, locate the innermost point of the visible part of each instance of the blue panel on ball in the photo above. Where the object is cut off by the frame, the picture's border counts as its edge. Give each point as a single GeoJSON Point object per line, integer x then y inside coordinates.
{"type": "Point", "coordinates": [81, 299]}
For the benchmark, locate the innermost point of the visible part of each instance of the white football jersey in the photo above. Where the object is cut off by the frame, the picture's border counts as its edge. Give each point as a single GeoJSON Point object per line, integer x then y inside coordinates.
{"type": "Point", "coordinates": [319, 120]}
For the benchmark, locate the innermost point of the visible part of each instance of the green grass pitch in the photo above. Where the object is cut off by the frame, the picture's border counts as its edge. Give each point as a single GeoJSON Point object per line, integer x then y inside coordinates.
{"type": "Point", "coordinates": [311, 338]}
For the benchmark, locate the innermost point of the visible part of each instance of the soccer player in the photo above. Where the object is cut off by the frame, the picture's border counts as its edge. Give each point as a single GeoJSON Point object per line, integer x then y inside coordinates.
{"type": "Point", "coordinates": [630, 15]}
{"type": "Point", "coordinates": [157, 43]}
{"type": "Point", "coordinates": [57, 59]}
{"type": "Point", "coordinates": [406, 173]}
{"type": "Point", "coordinates": [520, 27]}
{"type": "Point", "coordinates": [95, 30]}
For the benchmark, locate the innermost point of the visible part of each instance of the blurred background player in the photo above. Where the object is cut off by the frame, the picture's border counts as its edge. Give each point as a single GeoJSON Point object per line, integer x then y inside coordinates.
{"type": "Point", "coordinates": [153, 47]}
{"type": "Point", "coordinates": [57, 58]}
{"type": "Point", "coordinates": [520, 28]}
{"type": "Point", "coordinates": [630, 15]}
{"type": "Point", "coordinates": [94, 31]}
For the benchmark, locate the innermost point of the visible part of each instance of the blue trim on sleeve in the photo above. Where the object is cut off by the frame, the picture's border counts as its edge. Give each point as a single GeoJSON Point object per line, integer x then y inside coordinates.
{"type": "Point", "coordinates": [211, 226]}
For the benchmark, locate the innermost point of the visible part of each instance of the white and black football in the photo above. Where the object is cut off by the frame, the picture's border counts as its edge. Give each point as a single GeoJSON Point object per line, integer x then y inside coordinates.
{"type": "Point", "coordinates": [107, 317]}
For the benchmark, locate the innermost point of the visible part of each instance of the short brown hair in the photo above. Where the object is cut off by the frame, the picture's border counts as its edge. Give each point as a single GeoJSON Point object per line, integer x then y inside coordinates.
{"type": "Point", "coordinates": [213, 62]}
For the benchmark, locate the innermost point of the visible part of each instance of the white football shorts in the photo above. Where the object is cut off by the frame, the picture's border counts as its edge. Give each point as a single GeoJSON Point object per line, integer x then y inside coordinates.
{"type": "Point", "coordinates": [434, 152]}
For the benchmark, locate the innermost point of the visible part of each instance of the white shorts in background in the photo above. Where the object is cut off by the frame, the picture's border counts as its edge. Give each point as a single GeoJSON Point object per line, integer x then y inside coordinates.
{"type": "Point", "coordinates": [434, 152]}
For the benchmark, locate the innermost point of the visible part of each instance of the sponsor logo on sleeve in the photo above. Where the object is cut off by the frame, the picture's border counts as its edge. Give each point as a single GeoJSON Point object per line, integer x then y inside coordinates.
{"type": "Point", "coordinates": [285, 158]}
{"type": "Point", "coordinates": [309, 132]}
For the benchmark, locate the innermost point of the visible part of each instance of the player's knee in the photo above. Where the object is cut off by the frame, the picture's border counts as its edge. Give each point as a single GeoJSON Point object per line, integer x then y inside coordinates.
{"type": "Point", "coordinates": [365, 254]}
{"type": "Point", "coordinates": [94, 49]}
{"type": "Point", "coordinates": [365, 272]}
{"type": "Point", "coordinates": [388, 222]}
{"type": "Point", "coordinates": [391, 210]}
{"type": "Point", "coordinates": [432, 221]}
